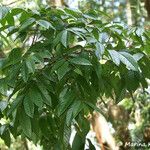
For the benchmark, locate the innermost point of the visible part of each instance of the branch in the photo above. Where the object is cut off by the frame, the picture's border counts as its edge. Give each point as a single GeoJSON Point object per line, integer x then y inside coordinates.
{"type": "Point", "coordinates": [103, 101]}
{"type": "Point", "coordinates": [11, 3]}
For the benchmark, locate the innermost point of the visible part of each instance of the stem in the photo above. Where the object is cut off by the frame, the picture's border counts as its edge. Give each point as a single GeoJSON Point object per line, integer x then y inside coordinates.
{"type": "Point", "coordinates": [26, 144]}
{"type": "Point", "coordinates": [132, 97]}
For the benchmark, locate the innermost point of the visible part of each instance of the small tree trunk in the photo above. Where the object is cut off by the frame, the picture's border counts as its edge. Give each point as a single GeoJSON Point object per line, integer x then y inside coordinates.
{"type": "Point", "coordinates": [147, 6]}
{"type": "Point", "coordinates": [129, 13]}
{"type": "Point", "coordinates": [101, 128]}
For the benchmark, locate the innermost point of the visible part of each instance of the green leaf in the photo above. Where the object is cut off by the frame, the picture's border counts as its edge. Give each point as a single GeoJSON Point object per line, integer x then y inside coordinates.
{"type": "Point", "coordinates": [45, 24]}
{"type": "Point", "coordinates": [43, 124]}
{"type": "Point", "coordinates": [30, 64]}
{"type": "Point", "coordinates": [14, 56]}
{"type": "Point", "coordinates": [66, 135]}
{"type": "Point", "coordinates": [27, 23]}
{"type": "Point", "coordinates": [2, 60]}
{"type": "Point", "coordinates": [25, 15]}
{"type": "Point", "coordinates": [77, 32]}
{"type": "Point", "coordinates": [6, 137]}
{"type": "Point", "coordinates": [75, 29]}
{"type": "Point", "coordinates": [138, 56]}
{"type": "Point", "coordinates": [77, 107]}
{"type": "Point", "coordinates": [98, 69]}
{"type": "Point", "coordinates": [28, 106]}
{"type": "Point", "coordinates": [64, 38]}
{"type": "Point", "coordinates": [143, 67]}
{"type": "Point", "coordinates": [99, 50]}
{"type": "Point", "coordinates": [78, 143]}
{"type": "Point", "coordinates": [115, 56]}
{"type": "Point", "coordinates": [63, 70]}
{"type": "Point", "coordinates": [25, 123]}
{"type": "Point", "coordinates": [57, 39]}
{"type": "Point", "coordinates": [46, 95]}
{"type": "Point", "coordinates": [16, 11]}
{"type": "Point", "coordinates": [125, 58]}
{"type": "Point", "coordinates": [73, 111]}
{"type": "Point", "coordinates": [36, 97]}
{"type": "Point", "coordinates": [3, 128]}
{"type": "Point", "coordinates": [78, 71]}
{"type": "Point", "coordinates": [63, 93]}
{"type": "Point", "coordinates": [3, 105]}
{"type": "Point", "coordinates": [129, 61]}
{"type": "Point", "coordinates": [24, 72]}
{"type": "Point", "coordinates": [69, 116]}
{"type": "Point", "coordinates": [15, 104]}
{"type": "Point", "coordinates": [35, 128]}
{"type": "Point", "coordinates": [4, 86]}
{"type": "Point", "coordinates": [132, 81]}
{"type": "Point", "coordinates": [139, 31]}
{"type": "Point", "coordinates": [65, 102]}
{"type": "Point", "coordinates": [10, 19]}
{"type": "Point", "coordinates": [73, 12]}
{"type": "Point", "coordinates": [57, 64]}
{"type": "Point", "coordinates": [80, 61]}
{"type": "Point", "coordinates": [14, 72]}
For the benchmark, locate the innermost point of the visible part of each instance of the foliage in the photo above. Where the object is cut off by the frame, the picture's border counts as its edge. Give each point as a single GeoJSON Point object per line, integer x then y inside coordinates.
{"type": "Point", "coordinates": [64, 62]}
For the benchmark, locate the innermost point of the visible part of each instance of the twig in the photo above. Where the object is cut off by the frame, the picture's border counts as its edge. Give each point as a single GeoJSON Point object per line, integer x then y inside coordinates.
{"type": "Point", "coordinates": [26, 144]}
{"type": "Point", "coordinates": [34, 36]}
{"type": "Point", "coordinates": [132, 97]}
{"type": "Point", "coordinates": [103, 101]}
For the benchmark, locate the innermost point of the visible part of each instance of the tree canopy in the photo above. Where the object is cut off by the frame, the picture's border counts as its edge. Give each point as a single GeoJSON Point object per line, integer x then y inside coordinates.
{"type": "Point", "coordinates": [57, 64]}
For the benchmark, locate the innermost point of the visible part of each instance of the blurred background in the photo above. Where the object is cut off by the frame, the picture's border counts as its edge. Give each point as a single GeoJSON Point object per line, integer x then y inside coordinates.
{"type": "Point", "coordinates": [134, 13]}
